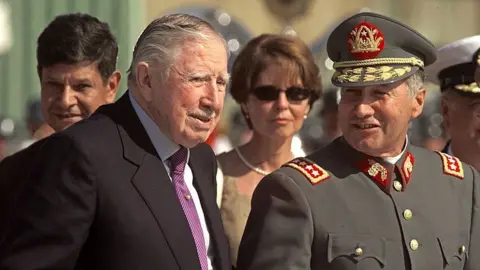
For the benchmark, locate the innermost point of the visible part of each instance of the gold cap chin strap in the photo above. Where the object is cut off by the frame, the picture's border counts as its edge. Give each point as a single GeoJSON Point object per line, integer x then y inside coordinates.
{"type": "Point", "coordinates": [379, 61]}
{"type": "Point", "coordinates": [471, 88]}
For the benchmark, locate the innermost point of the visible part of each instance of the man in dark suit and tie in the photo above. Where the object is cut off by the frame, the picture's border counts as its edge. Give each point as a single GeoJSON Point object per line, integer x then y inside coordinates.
{"type": "Point", "coordinates": [133, 186]}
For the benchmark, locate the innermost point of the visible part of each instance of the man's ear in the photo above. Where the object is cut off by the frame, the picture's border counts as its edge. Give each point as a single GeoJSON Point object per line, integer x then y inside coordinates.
{"type": "Point", "coordinates": [418, 102]}
{"type": "Point", "coordinates": [112, 86]}
{"type": "Point", "coordinates": [445, 110]}
{"type": "Point", "coordinates": [144, 80]}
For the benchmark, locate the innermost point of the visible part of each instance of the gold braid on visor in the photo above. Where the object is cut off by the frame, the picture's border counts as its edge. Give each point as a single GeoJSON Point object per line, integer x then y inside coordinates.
{"type": "Point", "coordinates": [379, 61]}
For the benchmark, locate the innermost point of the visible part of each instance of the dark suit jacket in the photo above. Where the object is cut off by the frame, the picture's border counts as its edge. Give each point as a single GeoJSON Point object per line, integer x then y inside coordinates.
{"type": "Point", "coordinates": [100, 198]}
{"type": "Point", "coordinates": [14, 171]}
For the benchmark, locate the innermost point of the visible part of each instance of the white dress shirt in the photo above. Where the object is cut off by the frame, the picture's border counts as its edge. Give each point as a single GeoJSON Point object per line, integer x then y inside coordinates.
{"type": "Point", "coordinates": [165, 147]}
{"type": "Point", "coordinates": [393, 160]}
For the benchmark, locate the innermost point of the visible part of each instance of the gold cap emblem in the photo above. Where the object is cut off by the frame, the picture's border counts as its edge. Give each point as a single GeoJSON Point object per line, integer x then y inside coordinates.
{"type": "Point", "coordinates": [366, 41]}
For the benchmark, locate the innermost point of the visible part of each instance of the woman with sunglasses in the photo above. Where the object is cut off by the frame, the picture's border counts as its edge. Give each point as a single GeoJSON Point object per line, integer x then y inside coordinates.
{"type": "Point", "coordinates": [275, 81]}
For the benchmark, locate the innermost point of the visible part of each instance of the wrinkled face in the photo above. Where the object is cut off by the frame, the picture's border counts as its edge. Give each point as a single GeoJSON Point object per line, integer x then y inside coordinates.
{"type": "Point", "coordinates": [461, 117]}
{"type": "Point", "coordinates": [187, 106]}
{"type": "Point", "coordinates": [281, 117]}
{"type": "Point", "coordinates": [70, 93]}
{"type": "Point", "coordinates": [374, 119]}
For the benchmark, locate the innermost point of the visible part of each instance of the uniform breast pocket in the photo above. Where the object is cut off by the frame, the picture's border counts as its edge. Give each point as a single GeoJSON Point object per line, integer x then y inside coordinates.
{"type": "Point", "coordinates": [454, 251]}
{"type": "Point", "coordinates": [356, 251]}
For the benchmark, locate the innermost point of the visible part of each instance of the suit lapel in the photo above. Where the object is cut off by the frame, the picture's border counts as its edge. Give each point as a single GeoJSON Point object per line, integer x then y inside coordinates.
{"type": "Point", "coordinates": [204, 184]}
{"type": "Point", "coordinates": [154, 185]}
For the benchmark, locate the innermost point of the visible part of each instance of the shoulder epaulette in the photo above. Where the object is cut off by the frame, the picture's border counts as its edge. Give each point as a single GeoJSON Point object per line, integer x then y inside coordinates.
{"type": "Point", "coordinates": [451, 165]}
{"type": "Point", "coordinates": [314, 173]}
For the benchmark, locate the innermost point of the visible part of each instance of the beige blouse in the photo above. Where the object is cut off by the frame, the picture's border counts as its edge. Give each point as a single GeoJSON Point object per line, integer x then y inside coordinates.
{"type": "Point", "coordinates": [235, 209]}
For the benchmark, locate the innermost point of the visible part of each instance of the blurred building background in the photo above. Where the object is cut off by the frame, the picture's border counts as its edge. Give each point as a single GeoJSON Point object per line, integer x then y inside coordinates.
{"type": "Point", "coordinates": [21, 21]}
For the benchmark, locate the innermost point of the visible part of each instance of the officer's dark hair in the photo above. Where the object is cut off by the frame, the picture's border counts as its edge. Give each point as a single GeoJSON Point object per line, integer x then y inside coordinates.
{"type": "Point", "coordinates": [75, 38]}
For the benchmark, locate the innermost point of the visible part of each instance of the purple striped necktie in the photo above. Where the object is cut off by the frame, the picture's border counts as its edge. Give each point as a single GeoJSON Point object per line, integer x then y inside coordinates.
{"type": "Point", "coordinates": [178, 162]}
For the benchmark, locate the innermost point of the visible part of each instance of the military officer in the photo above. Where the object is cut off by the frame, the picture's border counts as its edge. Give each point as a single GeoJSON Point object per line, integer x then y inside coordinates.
{"type": "Point", "coordinates": [460, 103]}
{"type": "Point", "coordinates": [369, 200]}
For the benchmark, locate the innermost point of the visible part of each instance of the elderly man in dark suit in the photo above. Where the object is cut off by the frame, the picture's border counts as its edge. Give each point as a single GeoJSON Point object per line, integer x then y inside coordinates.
{"type": "Point", "coordinates": [133, 186]}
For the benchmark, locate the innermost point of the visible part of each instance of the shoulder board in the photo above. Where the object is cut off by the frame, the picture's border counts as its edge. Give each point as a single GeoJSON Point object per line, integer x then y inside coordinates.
{"type": "Point", "coordinates": [314, 173]}
{"type": "Point", "coordinates": [451, 165]}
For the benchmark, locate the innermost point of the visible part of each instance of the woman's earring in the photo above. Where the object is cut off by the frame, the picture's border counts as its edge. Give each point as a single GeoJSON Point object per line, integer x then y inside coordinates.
{"type": "Point", "coordinates": [305, 116]}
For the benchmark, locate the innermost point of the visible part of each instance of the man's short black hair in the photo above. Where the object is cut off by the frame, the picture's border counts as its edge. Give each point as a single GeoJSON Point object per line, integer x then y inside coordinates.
{"type": "Point", "coordinates": [75, 38]}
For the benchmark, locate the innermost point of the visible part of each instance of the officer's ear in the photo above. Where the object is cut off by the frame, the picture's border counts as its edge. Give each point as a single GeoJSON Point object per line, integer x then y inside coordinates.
{"type": "Point", "coordinates": [445, 109]}
{"type": "Point", "coordinates": [418, 102]}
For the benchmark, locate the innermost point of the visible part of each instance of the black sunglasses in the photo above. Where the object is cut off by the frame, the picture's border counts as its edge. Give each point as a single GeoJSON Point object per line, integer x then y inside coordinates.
{"type": "Point", "coordinates": [271, 93]}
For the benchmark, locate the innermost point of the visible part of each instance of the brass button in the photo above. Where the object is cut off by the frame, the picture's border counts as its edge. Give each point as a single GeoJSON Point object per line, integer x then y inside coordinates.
{"type": "Point", "coordinates": [407, 214]}
{"type": "Point", "coordinates": [462, 249]}
{"type": "Point", "coordinates": [397, 185]}
{"type": "Point", "coordinates": [358, 251]}
{"type": "Point", "coordinates": [188, 197]}
{"type": "Point", "coordinates": [414, 244]}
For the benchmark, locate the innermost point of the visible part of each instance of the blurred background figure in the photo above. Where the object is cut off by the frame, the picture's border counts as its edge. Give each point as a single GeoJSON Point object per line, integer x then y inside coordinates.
{"type": "Point", "coordinates": [427, 130]}
{"type": "Point", "coordinates": [219, 140]}
{"type": "Point", "coordinates": [34, 118]}
{"type": "Point", "coordinates": [454, 72]}
{"type": "Point", "coordinates": [36, 127]}
{"type": "Point", "coordinates": [323, 128]}
{"type": "Point", "coordinates": [275, 81]}
{"type": "Point", "coordinates": [7, 132]}
{"type": "Point", "coordinates": [329, 116]}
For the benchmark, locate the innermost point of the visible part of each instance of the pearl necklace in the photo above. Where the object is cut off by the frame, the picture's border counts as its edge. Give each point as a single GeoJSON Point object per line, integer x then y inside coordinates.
{"type": "Point", "coordinates": [258, 170]}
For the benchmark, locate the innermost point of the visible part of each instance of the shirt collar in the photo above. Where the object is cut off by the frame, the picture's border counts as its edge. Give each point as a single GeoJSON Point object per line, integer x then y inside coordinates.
{"type": "Point", "coordinates": [381, 170]}
{"type": "Point", "coordinates": [393, 160]}
{"type": "Point", "coordinates": [164, 146]}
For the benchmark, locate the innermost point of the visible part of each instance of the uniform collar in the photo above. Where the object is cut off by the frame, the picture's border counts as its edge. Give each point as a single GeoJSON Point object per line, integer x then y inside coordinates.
{"type": "Point", "coordinates": [379, 170]}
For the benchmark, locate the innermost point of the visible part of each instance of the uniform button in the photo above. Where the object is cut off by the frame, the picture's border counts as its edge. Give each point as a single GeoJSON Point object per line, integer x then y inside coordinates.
{"type": "Point", "coordinates": [407, 214]}
{"type": "Point", "coordinates": [414, 244]}
{"type": "Point", "coordinates": [462, 249]}
{"type": "Point", "coordinates": [358, 252]}
{"type": "Point", "coordinates": [188, 197]}
{"type": "Point", "coordinates": [397, 185]}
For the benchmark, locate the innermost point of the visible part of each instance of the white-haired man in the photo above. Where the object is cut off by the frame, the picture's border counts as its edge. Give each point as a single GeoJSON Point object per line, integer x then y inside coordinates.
{"type": "Point", "coordinates": [133, 186]}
